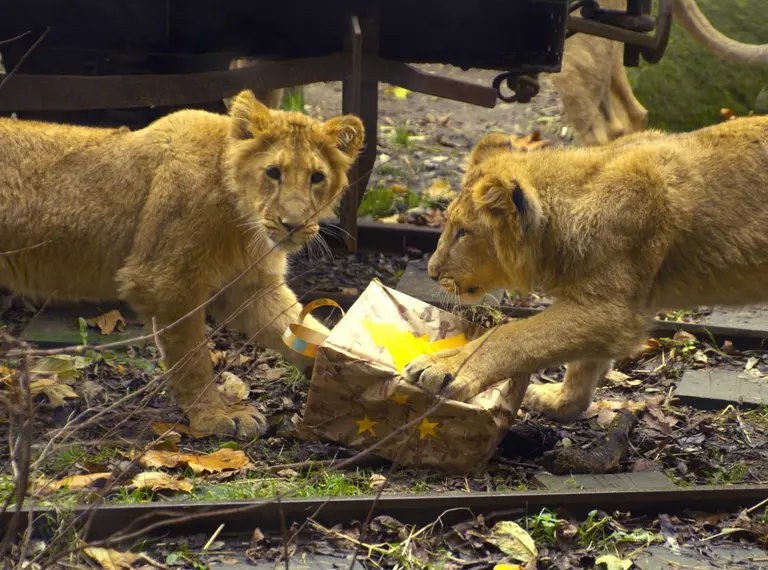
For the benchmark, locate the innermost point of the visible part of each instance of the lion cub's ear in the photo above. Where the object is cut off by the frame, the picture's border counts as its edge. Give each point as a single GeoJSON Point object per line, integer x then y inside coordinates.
{"type": "Point", "coordinates": [248, 115]}
{"type": "Point", "coordinates": [347, 131]}
{"type": "Point", "coordinates": [500, 199]}
{"type": "Point", "coordinates": [488, 146]}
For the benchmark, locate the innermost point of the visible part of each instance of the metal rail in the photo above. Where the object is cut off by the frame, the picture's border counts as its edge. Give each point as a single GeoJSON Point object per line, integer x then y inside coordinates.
{"type": "Point", "coordinates": [244, 516]}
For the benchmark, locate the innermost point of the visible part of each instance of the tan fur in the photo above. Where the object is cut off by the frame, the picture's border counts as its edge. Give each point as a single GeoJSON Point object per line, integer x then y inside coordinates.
{"type": "Point", "coordinates": [614, 233]}
{"type": "Point", "coordinates": [593, 84]}
{"type": "Point", "coordinates": [166, 216]}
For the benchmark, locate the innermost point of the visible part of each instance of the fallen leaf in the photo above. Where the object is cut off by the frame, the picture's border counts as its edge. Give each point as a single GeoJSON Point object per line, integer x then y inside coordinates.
{"type": "Point", "coordinates": [218, 357]}
{"type": "Point", "coordinates": [611, 562]}
{"type": "Point", "coordinates": [605, 410]}
{"type": "Point", "coordinates": [56, 391]}
{"type": "Point", "coordinates": [159, 481]}
{"type": "Point", "coordinates": [529, 142]}
{"type": "Point", "coordinates": [65, 367]}
{"type": "Point", "coordinates": [514, 541]}
{"type": "Point", "coordinates": [616, 377]}
{"type": "Point", "coordinates": [73, 483]}
{"type": "Point", "coordinates": [108, 322]}
{"type": "Point", "coordinates": [220, 460]}
{"type": "Point", "coordinates": [727, 114]}
{"type": "Point", "coordinates": [233, 388]}
{"type": "Point", "coordinates": [507, 567]}
{"type": "Point", "coordinates": [399, 189]}
{"type": "Point", "coordinates": [110, 559]}
{"type": "Point", "coordinates": [6, 373]}
{"type": "Point", "coordinates": [180, 429]}
{"type": "Point", "coordinates": [399, 92]}
{"type": "Point", "coordinates": [377, 481]}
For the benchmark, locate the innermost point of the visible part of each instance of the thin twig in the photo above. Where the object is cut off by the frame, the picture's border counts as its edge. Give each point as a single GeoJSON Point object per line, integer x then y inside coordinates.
{"type": "Point", "coordinates": [15, 38]}
{"type": "Point", "coordinates": [24, 58]}
{"type": "Point", "coordinates": [25, 432]}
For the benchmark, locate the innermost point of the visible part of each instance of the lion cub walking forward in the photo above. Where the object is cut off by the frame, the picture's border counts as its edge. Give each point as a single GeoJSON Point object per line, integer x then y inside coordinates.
{"type": "Point", "coordinates": [615, 233]}
{"type": "Point", "coordinates": [167, 216]}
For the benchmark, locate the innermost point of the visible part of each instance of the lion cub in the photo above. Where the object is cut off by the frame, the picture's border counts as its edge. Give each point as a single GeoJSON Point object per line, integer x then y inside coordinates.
{"type": "Point", "coordinates": [615, 233]}
{"type": "Point", "coordinates": [169, 215]}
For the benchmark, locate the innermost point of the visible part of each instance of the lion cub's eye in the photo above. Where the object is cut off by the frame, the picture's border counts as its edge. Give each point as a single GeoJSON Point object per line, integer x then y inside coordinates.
{"type": "Point", "coordinates": [317, 177]}
{"type": "Point", "coordinates": [273, 172]}
{"type": "Point", "coordinates": [460, 233]}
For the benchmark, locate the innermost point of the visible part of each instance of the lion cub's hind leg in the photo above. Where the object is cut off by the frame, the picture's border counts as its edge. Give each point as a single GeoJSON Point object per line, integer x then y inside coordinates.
{"type": "Point", "coordinates": [566, 401]}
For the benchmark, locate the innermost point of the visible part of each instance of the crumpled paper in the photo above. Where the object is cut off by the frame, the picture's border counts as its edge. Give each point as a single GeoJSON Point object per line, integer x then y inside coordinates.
{"type": "Point", "coordinates": [358, 397]}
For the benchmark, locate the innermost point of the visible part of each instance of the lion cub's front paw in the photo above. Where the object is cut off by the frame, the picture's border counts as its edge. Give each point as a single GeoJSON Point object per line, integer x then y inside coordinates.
{"type": "Point", "coordinates": [442, 373]}
{"type": "Point", "coordinates": [246, 422]}
{"type": "Point", "coordinates": [551, 401]}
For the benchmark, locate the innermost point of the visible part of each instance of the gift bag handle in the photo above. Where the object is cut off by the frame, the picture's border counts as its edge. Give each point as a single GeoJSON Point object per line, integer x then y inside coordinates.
{"type": "Point", "coordinates": [305, 340]}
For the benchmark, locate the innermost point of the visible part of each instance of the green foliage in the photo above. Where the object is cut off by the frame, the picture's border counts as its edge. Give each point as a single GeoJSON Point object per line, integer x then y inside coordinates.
{"type": "Point", "coordinates": [380, 201]}
{"type": "Point", "coordinates": [686, 89]}
{"type": "Point", "coordinates": [293, 100]}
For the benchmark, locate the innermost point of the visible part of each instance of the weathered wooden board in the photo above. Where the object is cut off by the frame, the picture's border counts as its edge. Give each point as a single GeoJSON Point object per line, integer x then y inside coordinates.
{"type": "Point", "coordinates": [617, 481]}
{"type": "Point", "coordinates": [58, 326]}
{"type": "Point", "coordinates": [753, 317]}
{"type": "Point", "coordinates": [717, 388]}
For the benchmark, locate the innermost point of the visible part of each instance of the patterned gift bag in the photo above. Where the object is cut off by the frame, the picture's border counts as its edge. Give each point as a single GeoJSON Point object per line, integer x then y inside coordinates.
{"type": "Point", "coordinates": [357, 396]}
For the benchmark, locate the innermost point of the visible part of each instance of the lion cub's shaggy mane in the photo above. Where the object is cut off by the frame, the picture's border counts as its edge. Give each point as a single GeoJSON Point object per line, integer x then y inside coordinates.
{"type": "Point", "coordinates": [651, 221]}
{"type": "Point", "coordinates": [167, 216]}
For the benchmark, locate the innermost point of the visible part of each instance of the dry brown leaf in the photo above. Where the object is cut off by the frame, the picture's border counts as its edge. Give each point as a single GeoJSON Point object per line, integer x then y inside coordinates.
{"type": "Point", "coordinates": [110, 559]}
{"type": "Point", "coordinates": [221, 460]}
{"type": "Point", "coordinates": [73, 483]}
{"type": "Point", "coordinates": [218, 357]}
{"type": "Point", "coordinates": [179, 429]}
{"type": "Point", "coordinates": [6, 373]}
{"type": "Point", "coordinates": [159, 481]}
{"type": "Point", "coordinates": [233, 388]}
{"type": "Point", "coordinates": [605, 410]}
{"type": "Point", "coordinates": [108, 322]}
{"type": "Point", "coordinates": [727, 114]}
{"type": "Point", "coordinates": [55, 391]}
{"type": "Point", "coordinates": [530, 142]}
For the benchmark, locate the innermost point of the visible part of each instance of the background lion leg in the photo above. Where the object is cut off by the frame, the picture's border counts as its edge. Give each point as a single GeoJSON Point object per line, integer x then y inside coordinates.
{"type": "Point", "coordinates": [270, 97]}
{"type": "Point", "coordinates": [264, 312]}
{"type": "Point", "coordinates": [567, 400]}
{"type": "Point", "coordinates": [630, 111]}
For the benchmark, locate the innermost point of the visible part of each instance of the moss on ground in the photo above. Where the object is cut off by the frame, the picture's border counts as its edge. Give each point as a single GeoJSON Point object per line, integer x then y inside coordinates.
{"type": "Point", "coordinates": [686, 89]}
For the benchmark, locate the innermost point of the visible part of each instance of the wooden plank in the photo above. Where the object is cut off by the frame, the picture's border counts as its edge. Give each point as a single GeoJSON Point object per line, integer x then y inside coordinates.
{"type": "Point", "coordinates": [58, 326]}
{"type": "Point", "coordinates": [753, 317]}
{"type": "Point", "coordinates": [717, 388]}
{"type": "Point", "coordinates": [613, 481]}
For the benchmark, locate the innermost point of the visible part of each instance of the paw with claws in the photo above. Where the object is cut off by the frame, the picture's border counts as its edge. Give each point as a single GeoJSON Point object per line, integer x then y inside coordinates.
{"type": "Point", "coordinates": [245, 422]}
{"type": "Point", "coordinates": [445, 373]}
{"type": "Point", "coordinates": [552, 401]}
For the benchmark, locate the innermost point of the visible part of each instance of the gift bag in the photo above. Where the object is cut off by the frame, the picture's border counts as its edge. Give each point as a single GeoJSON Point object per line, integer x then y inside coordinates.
{"type": "Point", "coordinates": [357, 396]}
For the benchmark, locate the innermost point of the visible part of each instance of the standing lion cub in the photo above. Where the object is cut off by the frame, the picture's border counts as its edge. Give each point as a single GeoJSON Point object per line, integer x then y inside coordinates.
{"type": "Point", "coordinates": [169, 215]}
{"type": "Point", "coordinates": [614, 233]}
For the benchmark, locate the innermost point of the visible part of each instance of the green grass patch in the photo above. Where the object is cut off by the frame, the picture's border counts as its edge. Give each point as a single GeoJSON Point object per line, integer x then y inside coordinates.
{"type": "Point", "coordinates": [381, 201]}
{"type": "Point", "coordinates": [686, 89]}
{"type": "Point", "coordinates": [293, 100]}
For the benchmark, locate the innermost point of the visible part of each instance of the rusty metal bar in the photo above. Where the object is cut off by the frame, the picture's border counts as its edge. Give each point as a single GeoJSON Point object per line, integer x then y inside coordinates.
{"type": "Point", "coordinates": [79, 93]}
{"type": "Point", "coordinates": [244, 516]}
